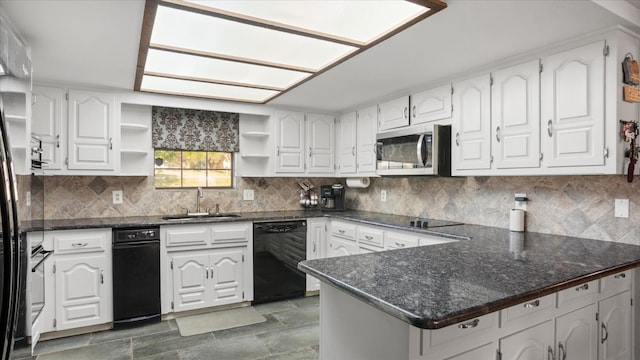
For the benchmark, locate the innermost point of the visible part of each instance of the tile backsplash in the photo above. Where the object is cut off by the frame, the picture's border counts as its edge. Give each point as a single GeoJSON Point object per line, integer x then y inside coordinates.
{"type": "Point", "coordinates": [580, 206]}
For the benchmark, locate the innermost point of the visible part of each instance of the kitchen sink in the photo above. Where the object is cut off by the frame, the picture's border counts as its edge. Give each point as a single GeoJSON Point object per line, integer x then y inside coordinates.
{"type": "Point", "coordinates": [200, 216]}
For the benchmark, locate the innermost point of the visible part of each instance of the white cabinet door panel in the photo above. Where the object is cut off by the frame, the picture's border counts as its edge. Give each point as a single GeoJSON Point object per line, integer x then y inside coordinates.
{"type": "Point", "coordinates": [615, 327]}
{"type": "Point", "coordinates": [431, 105]}
{"type": "Point", "coordinates": [47, 114]}
{"type": "Point", "coordinates": [515, 114]}
{"type": "Point", "coordinates": [347, 144]}
{"type": "Point", "coordinates": [576, 334]}
{"type": "Point", "coordinates": [290, 137]}
{"type": "Point", "coordinates": [530, 344]}
{"type": "Point", "coordinates": [573, 107]}
{"type": "Point", "coordinates": [190, 275]}
{"type": "Point", "coordinates": [320, 143]}
{"type": "Point", "coordinates": [226, 274]}
{"type": "Point", "coordinates": [366, 140]}
{"type": "Point", "coordinates": [393, 114]}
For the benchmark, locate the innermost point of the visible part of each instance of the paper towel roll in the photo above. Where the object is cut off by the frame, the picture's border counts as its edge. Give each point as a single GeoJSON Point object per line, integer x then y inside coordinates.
{"type": "Point", "coordinates": [358, 182]}
{"type": "Point", "coordinates": [516, 220]}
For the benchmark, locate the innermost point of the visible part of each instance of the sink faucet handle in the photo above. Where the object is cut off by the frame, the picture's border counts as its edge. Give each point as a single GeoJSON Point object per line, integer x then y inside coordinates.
{"type": "Point", "coordinates": [187, 210]}
{"type": "Point", "coordinates": [217, 207]}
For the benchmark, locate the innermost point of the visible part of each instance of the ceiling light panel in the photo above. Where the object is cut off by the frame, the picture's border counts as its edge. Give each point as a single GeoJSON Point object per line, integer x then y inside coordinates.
{"type": "Point", "coordinates": [203, 89]}
{"type": "Point", "coordinates": [204, 33]}
{"type": "Point", "coordinates": [359, 21]}
{"type": "Point", "coordinates": [208, 69]}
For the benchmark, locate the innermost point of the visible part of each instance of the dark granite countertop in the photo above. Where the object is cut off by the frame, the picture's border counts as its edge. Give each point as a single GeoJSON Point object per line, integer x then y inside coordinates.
{"type": "Point", "coordinates": [434, 286]}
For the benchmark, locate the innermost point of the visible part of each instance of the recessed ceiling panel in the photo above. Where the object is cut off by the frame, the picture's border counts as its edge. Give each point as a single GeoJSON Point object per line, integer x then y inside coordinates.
{"type": "Point", "coordinates": [361, 21]}
{"type": "Point", "coordinates": [190, 66]}
{"type": "Point", "coordinates": [184, 29]}
{"type": "Point", "coordinates": [202, 89]}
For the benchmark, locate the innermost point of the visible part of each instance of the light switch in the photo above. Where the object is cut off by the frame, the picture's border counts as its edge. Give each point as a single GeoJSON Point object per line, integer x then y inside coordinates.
{"type": "Point", "coordinates": [383, 195]}
{"type": "Point", "coordinates": [117, 197]}
{"type": "Point", "coordinates": [247, 195]}
{"type": "Point", "coordinates": [622, 208]}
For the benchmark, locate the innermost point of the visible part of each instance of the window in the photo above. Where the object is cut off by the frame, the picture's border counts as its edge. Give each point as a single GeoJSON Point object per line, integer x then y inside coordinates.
{"type": "Point", "coordinates": [190, 169]}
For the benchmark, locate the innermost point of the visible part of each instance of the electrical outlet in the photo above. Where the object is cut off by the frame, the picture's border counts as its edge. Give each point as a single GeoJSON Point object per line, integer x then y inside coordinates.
{"type": "Point", "coordinates": [117, 197]}
{"type": "Point", "coordinates": [622, 208]}
{"type": "Point", "coordinates": [247, 195]}
{"type": "Point", "coordinates": [27, 198]}
{"type": "Point", "coordinates": [383, 195]}
{"type": "Point", "coordinates": [520, 205]}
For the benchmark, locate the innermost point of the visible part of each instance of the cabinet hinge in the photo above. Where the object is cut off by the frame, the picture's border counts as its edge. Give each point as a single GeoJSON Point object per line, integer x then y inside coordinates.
{"type": "Point", "coordinates": [631, 302]}
{"type": "Point", "coordinates": [491, 159]}
{"type": "Point", "coordinates": [498, 355]}
{"type": "Point", "coordinates": [490, 80]}
{"type": "Point", "coordinates": [605, 51]}
{"type": "Point", "coordinates": [451, 107]}
{"type": "Point", "coordinates": [172, 305]}
{"type": "Point", "coordinates": [597, 317]}
{"type": "Point", "coordinates": [54, 268]}
{"type": "Point", "coordinates": [541, 156]}
{"type": "Point", "coordinates": [66, 96]}
{"type": "Point", "coordinates": [66, 161]}
{"type": "Point", "coordinates": [452, 90]}
{"type": "Point", "coordinates": [541, 67]}
{"type": "Point", "coordinates": [243, 295]}
{"type": "Point", "coordinates": [34, 99]}
{"type": "Point", "coordinates": [54, 323]}
{"type": "Point", "coordinates": [242, 258]}
{"type": "Point", "coordinates": [171, 264]}
{"type": "Point", "coordinates": [606, 152]}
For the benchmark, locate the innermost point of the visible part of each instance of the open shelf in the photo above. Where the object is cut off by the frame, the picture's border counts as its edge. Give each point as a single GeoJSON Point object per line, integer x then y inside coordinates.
{"type": "Point", "coordinates": [246, 156]}
{"type": "Point", "coordinates": [255, 134]}
{"type": "Point", "coordinates": [134, 152]}
{"type": "Point", "coordinates": [131, 126]}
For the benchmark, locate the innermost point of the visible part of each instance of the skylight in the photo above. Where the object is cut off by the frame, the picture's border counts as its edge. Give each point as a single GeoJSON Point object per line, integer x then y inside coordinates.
{"type": "Point", "coordinates": [255, 50]}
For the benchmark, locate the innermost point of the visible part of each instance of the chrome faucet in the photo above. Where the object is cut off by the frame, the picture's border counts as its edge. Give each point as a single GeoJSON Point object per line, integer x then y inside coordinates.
{"type": "Point", "coordinates": [199, 196]}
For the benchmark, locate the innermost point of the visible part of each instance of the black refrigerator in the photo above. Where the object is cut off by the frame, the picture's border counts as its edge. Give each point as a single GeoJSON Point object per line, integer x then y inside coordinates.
{"type": "Point", "coordinates": [15, 68]}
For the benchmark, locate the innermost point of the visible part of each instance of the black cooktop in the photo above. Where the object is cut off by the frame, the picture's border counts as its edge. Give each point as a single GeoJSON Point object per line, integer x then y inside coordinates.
{"type": "Point", "coordinates": [431, 223]}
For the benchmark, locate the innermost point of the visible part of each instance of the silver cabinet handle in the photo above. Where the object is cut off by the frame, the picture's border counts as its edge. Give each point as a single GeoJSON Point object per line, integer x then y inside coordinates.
{"type": "Point", "coordinates": [353, 151]}
{"type": "Point", "coordinates": [368, 237]}
{"type": "Point", "coordinates": [604, 332]}
{"type": "Point", "coordinates": [620, 276]}
{"type": "Point", "coordinates": [341, 231]}
{"type": "Point", "coordinates": [457, 139]}
{"type": "Point", "coordinates": [550, 355]}
{"type": "Point", "coordinates": [309, 151]}
{"type": "Point", "coordinates": [101, 276]}
{"type": "Point", "coordinates": [57, 141]}
{"type": "Point", "coordinates": [278, 150]}
{"type": "Point", "coordinates": [110, 143]}
{"type": "Point", "coordinates": [470, 324]}
{"type": "Point", "coordinates": [549, 127]}
{"type": "Point", "coordinates": [206, 273]}
{"type": "Point", "coordinates": [583, 287]}
{"type": "Point", "coordinates": [562, 351]}
{"type": "Point", "coordinates": [406, 112]}
{"type": "Point", "coordinates": [211, 272]}
{"type": "Point", "coordinates": [314, 247]}
{"type": "Point", "coordinates": [75, 245]}
{"type": "Point", "coordinates": [413, 111]}
{"type": "Point", "coordinates": [498, 134]}
{"type": "Point", "coordinates": [533, 304]}
{"type": "Point", "coordinates": [400, 244]}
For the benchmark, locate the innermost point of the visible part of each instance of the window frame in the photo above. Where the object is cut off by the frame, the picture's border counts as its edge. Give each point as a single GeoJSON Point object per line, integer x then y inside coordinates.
{"type": "Point", "coordinates": [206, 169]}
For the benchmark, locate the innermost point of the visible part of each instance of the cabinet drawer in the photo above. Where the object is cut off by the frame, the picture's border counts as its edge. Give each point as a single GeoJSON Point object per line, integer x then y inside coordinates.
{"type": "Point", "coordinates": [370, 236]}
{"type": "Point", "coordinates": [231, 233]}
{"type": "Point", "coordinates": [463, 330]}
{"type": "Point", "coordinates": [77, 241]}
{"type": "Point", "coordinates": [528, 311]}
{"type": "Point", "coordinates": [186, 235]}
{"type": "Point", "coordinates": [577, 293]}
{"type": "Point", "coordinates": [616, 283]}
{"type": "Point", "coordinates": [343, 230]}
{"type": "Point", "coordinates": [393, 240]}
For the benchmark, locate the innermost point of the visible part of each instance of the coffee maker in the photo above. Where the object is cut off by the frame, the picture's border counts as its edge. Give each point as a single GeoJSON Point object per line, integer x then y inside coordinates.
{"type": "Point", "coordinates": [332, 197]}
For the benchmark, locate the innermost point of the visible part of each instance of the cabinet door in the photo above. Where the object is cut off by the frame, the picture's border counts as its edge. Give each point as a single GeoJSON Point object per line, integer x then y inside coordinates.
{"type": "Point", "coordinates": [226, 282]}
{"type": "Point", "coordinates": [347, 144]}
{"type": "Point", "coordinates": [367, 120]}
{"type": "Point", "coordinates": [615, 327]}
{"type": "Point", "coordinates": [487, 351]}
{"type": "Point", "coordinates": [576, 334]}
{"type": "Point", "coordinates": [315, 242]}
{"type": "Point", "coordinates": [190, 276]}
{"type": "Point", "coordinates": [431, 105]}
{"type": "Point", "coordinates": [290, 142]}
{"type": "Point", "coordinates": [81, 296]}
{"type": "Point", "coordinates": [48, 113]}
{"type": "Point", "coordinates": [341, 247]}
{"type": "Point", "coordinates": [471, 124]}
{"type": "Point", "coordinates": [573, 107]}
{"type": "Point", "coordinates": [320, 143]}
{"type": "Point", "coordinates": [531, 344]}
{"type": "Point", "coordinates": [393, 114]}
{"type": "Point", "coordinates": [515, 114]}
{"type": "Point", "coordinates": [91, 129]}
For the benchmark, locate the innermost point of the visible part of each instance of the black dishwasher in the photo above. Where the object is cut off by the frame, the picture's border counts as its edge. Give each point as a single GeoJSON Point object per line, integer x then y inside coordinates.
{"type": "Point", "coordinates": [278, 247]}
{"type": "Point", "coordinates": [136, 275]}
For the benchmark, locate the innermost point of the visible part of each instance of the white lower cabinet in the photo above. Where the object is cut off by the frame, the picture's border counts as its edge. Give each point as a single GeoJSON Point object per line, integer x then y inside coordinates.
{"type": "Point", "coordinates": [530, 344]}
{"type": "Point", "coordinates": [316, 233]}
{"type": "Point", "coordinates": [207, 278]}
{"type": "Point", "coordinates": [206, 265]}
{"type": "Point", "coordinates": [615, 327]}
{"type": "Point", "coordinates": [341, 247]}
{"type": "Point", "coordinates": [79, 286]}
{"type": "Point", "coordinates": [576, 335]}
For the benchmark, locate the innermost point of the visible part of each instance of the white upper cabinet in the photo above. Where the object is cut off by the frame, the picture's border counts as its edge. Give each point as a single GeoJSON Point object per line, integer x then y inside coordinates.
{"type": "Point", "coordinates": [366, 121]}
{"type": "Point", "coordinates": [515, 114]}
{"type": "Point", "coordinates": [573, 107]}
{"type": "Point", "coordinates": [471, 124]}
{"type": "Point", "coordinates": [290, 141]}
{"type": "Point", "coordinates": [91, 130]}
{"type": "Point", "coordinates": [432, 105]}
{"type": "Point", "coordinates": [347, 145]}
{"type": "Point", "coordinates": [48, 111]}
{"type": "Point", "coordinates": [320, 131]}
{"type": "Point", "coordinates": [393, 114]}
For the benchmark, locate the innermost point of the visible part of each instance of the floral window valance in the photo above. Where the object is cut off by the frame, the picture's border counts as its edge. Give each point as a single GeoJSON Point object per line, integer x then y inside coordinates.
{"type": "Point", "coordinates": [186, 129]}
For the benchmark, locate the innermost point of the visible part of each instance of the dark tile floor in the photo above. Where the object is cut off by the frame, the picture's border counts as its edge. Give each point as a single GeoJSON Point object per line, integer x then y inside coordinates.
{"type": "Point", "coordinates": [291, 332]}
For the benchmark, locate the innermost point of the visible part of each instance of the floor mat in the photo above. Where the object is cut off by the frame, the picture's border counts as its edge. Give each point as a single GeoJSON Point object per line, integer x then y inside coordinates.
{"type": "Point", "coordinates": [218, 320]}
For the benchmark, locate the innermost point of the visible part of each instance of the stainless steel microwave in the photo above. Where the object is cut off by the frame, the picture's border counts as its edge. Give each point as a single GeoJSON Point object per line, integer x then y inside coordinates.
{"type": "Point", "coordinates": [415, 150]}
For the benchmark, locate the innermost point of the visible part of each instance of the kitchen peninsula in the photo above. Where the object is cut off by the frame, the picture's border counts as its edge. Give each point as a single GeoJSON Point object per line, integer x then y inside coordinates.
{"type": "Point", "coordinates": [496, 293]}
